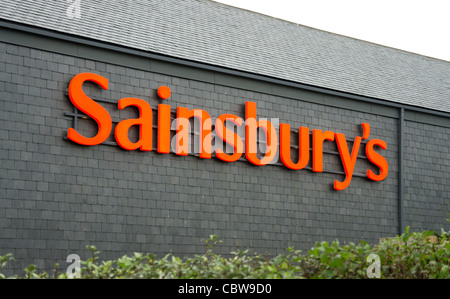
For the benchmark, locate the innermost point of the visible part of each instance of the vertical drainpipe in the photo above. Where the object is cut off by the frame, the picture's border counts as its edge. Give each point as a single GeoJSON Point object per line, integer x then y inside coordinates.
{"type": "Point", "coordinates": [401, 141]}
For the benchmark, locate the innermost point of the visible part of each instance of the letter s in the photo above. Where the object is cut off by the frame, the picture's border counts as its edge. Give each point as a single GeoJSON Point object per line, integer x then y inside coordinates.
{"type": "Point", "coordinates": [91, 108]}
{"type": "Point", "coordinates": [229, 137]}
{"type": "Point", "coordinates": [376, 159]}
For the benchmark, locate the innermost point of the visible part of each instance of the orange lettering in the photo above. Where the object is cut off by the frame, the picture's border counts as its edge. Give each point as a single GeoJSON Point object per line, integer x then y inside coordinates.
{"type": "Point", "coordinates": [251, 126]}
{"type": "Point", "coordinates": [145, 122]}
{"type": "Point", "coordinates": [285, 147]}
{"type": "Point", "coordinates": [224, 133]}
{"type": "Point", "coordinates": [347, 161]}
{"type": "Point", "coordinates": [164, 92]}
{"type": "Point", "coordinates": [377, 159]}
{"type": "Point", "coordinates": [163, 129]}
{"type": "Point", "coordinates": [91, 108]}
{"type": "Point", "coordinates": [183, 115]}
{"type": "Point", "coordinates": [318, 138]}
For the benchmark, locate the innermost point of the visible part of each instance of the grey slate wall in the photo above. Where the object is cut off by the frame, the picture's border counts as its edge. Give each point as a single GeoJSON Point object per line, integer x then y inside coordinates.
{"type": "Point", "coordinates": [56, 197]}
{"type": "Point", "coordinates": [427, 163]}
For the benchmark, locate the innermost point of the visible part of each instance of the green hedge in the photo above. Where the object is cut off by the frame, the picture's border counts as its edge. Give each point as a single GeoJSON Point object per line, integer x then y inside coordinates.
{"type": "Point", "coordinates": [420, 255]}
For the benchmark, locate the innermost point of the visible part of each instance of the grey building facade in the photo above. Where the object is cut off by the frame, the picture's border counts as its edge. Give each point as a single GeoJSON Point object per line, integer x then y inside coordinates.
{"type": "Point", "coordinates": [57, 196]}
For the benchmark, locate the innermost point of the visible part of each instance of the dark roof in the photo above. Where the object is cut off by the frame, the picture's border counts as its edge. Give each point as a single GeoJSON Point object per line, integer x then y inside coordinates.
{"type": "Point", "coordinates": [225, 36]}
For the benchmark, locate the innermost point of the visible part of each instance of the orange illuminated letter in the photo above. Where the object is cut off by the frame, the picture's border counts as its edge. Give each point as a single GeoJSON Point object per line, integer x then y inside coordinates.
{"type": "Point", "coordinates": [285, 147]}
{"type": "Point", "coordinates": [251, 130]}
{"type": "Point", "coordinates": [347, 161]}
{"type": "Point", "coordinates": [91, 108]}
{"type": "Point", "coordinates": [377, 159]}
{"type": "Point", "coordinates": [163, 129]}
{"type": "Point", "coordinates": [182, 136]}
{"type": "Point", "coordinates": [318, 138]}
{"type": "Point", "coordinates": [229, 137]}
{"type": "Point", "coordinates": [145, 122]}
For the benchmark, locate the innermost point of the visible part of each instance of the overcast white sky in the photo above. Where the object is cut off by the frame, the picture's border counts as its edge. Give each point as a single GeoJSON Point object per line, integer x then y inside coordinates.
{"type": "Point", "coordinates": [421, 27]}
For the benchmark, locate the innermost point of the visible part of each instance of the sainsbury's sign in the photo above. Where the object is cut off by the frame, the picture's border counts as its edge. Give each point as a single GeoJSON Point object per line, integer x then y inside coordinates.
{"type": "Point", "coordinates": [180, 142]}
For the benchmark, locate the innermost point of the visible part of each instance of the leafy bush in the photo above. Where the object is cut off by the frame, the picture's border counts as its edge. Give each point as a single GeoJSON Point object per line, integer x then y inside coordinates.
{"type": "Point", "coordinates": [411, 255]}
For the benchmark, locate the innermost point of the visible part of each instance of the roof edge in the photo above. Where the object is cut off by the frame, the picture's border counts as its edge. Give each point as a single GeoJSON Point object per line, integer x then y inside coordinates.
{"type": "Point", "coordinates": [333, 33]}
{"type": "Point", "coordinates": [216, 68]}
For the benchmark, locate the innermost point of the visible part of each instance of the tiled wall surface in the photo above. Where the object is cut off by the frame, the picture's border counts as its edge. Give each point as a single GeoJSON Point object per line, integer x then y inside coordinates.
{"type": "Point", "coordinates": [57, 197]}
{"type": "Point", "coordinates": [427, 166]}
